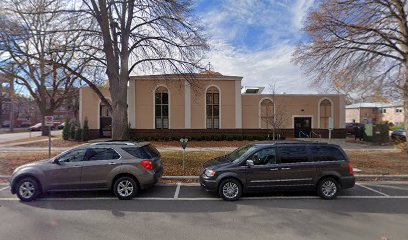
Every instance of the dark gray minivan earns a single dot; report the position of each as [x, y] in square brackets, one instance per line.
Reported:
[282, 164]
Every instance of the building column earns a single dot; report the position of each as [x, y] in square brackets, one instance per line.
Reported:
[131, 97]
[238, 105]
[187, 105]
[342, 111]
[81, 120]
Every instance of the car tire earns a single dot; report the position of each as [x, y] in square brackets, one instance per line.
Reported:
[328, 188]
[125, 188]
[230, 189]
[28, 189]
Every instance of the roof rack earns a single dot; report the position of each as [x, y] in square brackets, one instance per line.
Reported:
[114, 143]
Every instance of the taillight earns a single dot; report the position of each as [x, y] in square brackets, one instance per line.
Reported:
[350, 168]
[147, 164]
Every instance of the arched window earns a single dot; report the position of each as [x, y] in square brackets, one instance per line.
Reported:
[266, 114]
[325, 113]
[213, 107]
[161, 101]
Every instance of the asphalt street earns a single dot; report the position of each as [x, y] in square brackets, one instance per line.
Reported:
[185, 211]
[7, 137]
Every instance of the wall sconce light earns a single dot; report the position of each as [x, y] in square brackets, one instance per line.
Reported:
[302, 110]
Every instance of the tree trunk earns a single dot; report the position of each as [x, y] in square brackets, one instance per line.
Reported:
[119, 111]
[44, 129]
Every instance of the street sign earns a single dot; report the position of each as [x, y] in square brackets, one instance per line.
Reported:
[331, 123]
[49, 121]
[183, 142]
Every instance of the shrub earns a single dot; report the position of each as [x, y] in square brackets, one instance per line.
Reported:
[223, 137]
[250, 138]
[72, 131]
[85, 131]
[240, 138]
[396, 127]
[66, 130]
[207, 138]
[230, 138]
[78, 134]
[128, 131]
[217, 138]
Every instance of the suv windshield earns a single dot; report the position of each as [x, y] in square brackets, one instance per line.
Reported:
[243, 151]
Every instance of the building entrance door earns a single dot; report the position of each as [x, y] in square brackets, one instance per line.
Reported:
[302, 126]
[105, 121]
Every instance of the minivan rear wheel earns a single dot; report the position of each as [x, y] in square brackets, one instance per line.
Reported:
[28, 189]
[230, 189]
[125, 188]
[328, 188]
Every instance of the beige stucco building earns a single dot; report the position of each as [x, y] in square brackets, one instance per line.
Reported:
[215, 104]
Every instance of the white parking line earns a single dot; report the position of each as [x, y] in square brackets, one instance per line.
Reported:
[209, 199]
[176, 193]
[1, 189]
[373, 190]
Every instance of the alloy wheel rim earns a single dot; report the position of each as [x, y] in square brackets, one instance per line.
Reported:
[230, 190]
[125, 188]
[329, 188]
[27, 190]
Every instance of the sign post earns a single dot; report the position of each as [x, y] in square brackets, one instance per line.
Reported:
[49, 122]
[183, 142]
[330, 127]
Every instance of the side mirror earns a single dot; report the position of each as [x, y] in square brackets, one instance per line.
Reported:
[55, 161]
[250, 163]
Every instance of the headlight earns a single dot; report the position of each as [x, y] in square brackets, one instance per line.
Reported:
[209, 173]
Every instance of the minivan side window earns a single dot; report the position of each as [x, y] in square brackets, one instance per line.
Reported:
[293, 154]
[326, 153]
[101, 154]
[264, 156]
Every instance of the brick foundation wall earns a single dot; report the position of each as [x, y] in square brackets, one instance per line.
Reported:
[157, 133]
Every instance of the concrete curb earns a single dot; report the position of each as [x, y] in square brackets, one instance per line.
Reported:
[359, 177]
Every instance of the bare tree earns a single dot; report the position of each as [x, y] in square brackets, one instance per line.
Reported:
[367, 40]
[32, 41]
[139, 36]
[273, 113]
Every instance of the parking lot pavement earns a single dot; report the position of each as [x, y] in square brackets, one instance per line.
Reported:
[192, 192]
[185, 211]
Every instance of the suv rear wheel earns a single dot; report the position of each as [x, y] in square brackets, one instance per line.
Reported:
[230, 189]
[328, 188]
[125, 188]
[28, 189]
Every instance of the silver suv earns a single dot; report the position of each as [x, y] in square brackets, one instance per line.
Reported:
[124, 167]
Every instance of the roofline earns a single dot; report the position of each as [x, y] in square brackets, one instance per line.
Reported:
[181, 77]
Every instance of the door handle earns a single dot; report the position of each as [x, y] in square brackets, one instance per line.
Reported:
[112, 163]
[273, 169]
[285, 168]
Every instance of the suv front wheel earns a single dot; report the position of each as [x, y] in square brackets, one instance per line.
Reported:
[125, 188]
[328, 188]
[27, 189]
[230, 190]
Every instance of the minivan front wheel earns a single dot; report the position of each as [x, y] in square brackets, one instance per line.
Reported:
[28, 189]
[230, 190]
[125, 188]
[328, 188]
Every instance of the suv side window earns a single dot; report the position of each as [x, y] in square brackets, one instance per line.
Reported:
[264, 157]
[75, 155]
[144, 152]
[101, 154]
[326, 153]
[293, 154]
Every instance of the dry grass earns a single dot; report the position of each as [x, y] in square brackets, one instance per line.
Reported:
[201, 143]
[391, 163]
[368, 162]
[22, 140]
[57, 142]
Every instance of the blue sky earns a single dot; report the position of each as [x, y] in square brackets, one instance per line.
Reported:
[255, 39]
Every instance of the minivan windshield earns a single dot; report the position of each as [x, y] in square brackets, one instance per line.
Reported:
[239, 153]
